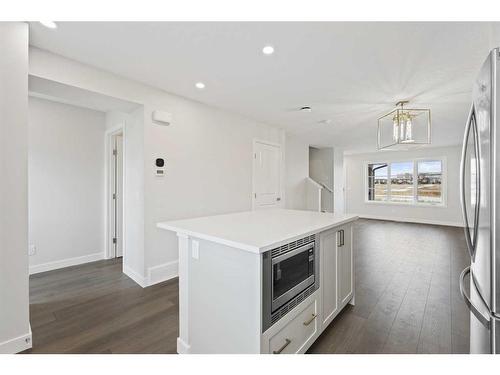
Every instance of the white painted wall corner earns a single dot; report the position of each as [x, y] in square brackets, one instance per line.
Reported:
[154, 275]
[139, 279]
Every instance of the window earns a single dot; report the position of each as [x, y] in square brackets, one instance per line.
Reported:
[417, 182]
[402, 182]
[377, 182]
[430, 174]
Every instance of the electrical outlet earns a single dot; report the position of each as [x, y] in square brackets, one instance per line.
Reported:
[32, 250]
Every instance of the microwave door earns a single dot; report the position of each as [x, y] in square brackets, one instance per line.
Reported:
[291, 274]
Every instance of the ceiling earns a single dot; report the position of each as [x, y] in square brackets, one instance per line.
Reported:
[349, 73]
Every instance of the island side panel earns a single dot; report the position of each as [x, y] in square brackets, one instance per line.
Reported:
[224, 299]
[183, 346]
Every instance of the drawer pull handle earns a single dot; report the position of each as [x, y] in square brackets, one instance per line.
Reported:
[310, 320]
[287, 342]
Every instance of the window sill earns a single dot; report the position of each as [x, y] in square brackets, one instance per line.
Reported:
[388, 203]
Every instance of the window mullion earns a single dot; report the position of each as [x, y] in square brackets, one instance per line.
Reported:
[389, 183]
[415, 181]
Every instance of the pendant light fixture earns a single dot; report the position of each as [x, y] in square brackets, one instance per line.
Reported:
[404, 126]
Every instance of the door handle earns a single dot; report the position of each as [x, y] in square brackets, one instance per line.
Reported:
[287, 342]
[485, 320]
[340, 238]
[471, 243]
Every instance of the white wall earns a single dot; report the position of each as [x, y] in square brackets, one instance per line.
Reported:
[15, 332]
[208, 155]
[297, 169]
[338, 181]
[355, 188]
[66, 184]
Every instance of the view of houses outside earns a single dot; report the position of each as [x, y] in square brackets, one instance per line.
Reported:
[402, 190]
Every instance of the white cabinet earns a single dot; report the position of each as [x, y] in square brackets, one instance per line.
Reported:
[336, 273]
[328, 275]
[296, 334]
[345, 262]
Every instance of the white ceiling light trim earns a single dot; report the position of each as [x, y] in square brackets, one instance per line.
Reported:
[49, 24]
[268, 50]
[200, 85]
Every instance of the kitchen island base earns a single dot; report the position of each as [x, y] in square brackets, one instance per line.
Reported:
[221, 292]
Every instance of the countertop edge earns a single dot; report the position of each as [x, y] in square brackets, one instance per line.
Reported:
[251, 248]
[223, 241]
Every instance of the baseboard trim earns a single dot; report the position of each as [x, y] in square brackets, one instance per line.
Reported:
[411, 220]
[139, 279]
[49, 266]
[163, 272]
[182, 347]
[17, 344]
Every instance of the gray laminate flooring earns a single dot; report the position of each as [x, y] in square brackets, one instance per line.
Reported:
[407, 301]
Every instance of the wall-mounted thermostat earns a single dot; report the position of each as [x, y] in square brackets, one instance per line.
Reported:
[162, 117]
[160, 167]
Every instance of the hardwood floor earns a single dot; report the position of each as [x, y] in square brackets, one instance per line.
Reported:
[95, 308]
[407, 301]
[407, 295]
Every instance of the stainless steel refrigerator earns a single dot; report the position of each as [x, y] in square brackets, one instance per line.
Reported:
[480, 196]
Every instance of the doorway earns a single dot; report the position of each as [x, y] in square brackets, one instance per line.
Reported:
[114, 194]
[267, 164]
[321, 170]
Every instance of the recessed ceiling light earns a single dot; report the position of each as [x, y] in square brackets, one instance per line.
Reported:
[200, 85]
[268, 50]
[49, 24]
[306, 109]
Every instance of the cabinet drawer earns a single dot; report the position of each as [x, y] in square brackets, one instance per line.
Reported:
[297, 333]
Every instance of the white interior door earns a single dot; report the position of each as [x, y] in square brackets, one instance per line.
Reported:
[266, 175]
[119, 196]
[116, 196]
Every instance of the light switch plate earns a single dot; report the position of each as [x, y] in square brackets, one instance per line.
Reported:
[195, 249]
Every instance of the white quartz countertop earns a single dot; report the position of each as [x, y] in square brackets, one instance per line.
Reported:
[257, 231]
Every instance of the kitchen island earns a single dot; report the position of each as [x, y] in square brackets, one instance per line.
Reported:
[266, 281]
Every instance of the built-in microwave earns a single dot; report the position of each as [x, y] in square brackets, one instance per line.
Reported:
[290, 274]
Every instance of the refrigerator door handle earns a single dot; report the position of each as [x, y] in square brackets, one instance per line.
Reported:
[478, 183]
[485, 320]
[471, 243]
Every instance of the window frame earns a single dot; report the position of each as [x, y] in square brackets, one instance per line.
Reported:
[415, 202]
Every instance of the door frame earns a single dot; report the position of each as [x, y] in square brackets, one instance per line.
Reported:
[282, 166]
[109, 252]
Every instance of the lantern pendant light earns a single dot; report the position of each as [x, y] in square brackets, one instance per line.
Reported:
[407, 126]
